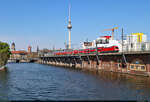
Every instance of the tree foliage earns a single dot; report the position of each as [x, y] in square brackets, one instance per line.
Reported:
[4, 53]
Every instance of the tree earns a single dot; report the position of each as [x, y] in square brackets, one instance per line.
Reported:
[4, 53]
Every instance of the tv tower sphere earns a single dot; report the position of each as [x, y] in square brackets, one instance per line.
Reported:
[69, 25]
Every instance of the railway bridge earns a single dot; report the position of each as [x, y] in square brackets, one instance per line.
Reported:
[137, 63]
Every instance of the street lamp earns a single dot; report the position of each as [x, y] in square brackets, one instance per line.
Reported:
[96, 42]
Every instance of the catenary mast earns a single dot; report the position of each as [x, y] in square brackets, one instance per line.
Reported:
[69, 29]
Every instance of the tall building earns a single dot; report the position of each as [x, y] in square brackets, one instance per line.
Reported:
[13, 47]
[29, 49]
[69, 29]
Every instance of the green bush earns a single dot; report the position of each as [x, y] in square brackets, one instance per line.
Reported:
[4, 53]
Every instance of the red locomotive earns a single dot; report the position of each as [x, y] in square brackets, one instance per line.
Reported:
[89, 51]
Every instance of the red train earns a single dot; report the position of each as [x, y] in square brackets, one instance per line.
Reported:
[89, 51]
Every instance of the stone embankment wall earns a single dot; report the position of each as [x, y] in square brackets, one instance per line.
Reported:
[137, 64]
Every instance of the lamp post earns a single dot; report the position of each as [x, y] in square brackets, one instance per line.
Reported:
[123, 56]
[122, 41]
[96, 47]
[97, 52]
[122, 49]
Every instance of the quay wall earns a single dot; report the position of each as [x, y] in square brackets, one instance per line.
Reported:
[136, 64]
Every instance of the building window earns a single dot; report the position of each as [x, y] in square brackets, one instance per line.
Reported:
[143, 68]
[132, 66]
[103, 41]
[143, 46]
[131, 45]
[107, 41]
[136, 67]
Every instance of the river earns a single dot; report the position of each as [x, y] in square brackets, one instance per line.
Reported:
[30, 81]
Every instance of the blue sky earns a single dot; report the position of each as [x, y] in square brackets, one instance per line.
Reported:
[44, 22]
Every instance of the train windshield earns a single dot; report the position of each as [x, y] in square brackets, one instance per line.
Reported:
[116, 47]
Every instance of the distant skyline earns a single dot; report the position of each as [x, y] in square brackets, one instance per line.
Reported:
[44, 22]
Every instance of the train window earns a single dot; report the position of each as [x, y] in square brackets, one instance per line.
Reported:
[116, 47]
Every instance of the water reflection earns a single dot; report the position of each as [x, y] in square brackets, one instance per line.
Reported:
[3, 77]
[139, 85]
[4, 83]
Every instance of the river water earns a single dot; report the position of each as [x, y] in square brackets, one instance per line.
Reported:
[30, 81]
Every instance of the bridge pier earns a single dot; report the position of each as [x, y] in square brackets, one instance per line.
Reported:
[78, 65]
[93, 64]
[85, 65]
[148, 69]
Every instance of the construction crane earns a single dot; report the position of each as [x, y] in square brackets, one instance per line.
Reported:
[112, 31]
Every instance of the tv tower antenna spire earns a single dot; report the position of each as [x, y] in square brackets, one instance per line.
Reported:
[69, 28]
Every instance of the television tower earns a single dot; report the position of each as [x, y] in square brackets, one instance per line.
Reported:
[69, 29]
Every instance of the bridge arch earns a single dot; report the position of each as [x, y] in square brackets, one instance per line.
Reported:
[137, 61]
